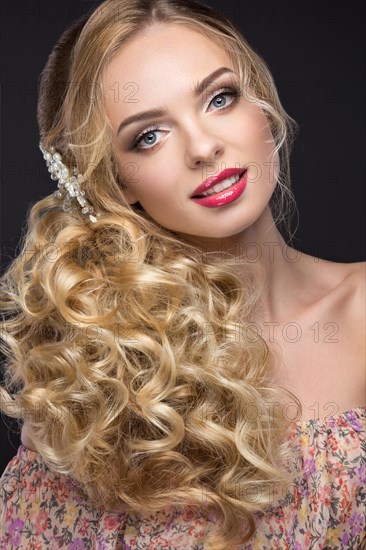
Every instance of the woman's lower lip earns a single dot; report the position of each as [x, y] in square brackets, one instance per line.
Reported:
[226, 196]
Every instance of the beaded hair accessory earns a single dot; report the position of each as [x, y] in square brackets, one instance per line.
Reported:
[68, 186]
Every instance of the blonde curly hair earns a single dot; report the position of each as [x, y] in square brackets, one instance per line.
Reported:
[130, 352]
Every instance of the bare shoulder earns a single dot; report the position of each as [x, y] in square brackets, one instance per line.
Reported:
[358, 271]
[354, 276]
[357, 281]
[337, 277]
[341, 287]
[351, 295]
[353, 281]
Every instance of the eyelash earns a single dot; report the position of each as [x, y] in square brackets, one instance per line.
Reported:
[233, 92]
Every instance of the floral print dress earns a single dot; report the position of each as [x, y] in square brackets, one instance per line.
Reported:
[324, 509]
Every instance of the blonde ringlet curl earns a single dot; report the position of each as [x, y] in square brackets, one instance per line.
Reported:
[122, 342]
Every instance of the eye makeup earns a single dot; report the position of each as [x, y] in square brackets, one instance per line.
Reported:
[232, 91]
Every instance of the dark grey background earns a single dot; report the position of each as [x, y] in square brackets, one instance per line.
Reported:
[316, 53]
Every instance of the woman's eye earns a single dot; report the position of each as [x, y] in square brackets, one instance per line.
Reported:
[220, 100]
[147, 139]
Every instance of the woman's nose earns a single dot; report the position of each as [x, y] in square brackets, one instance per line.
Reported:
[202, 146]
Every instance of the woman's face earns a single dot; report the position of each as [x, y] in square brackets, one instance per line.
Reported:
[163, 159]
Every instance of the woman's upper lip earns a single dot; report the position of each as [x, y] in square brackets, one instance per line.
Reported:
[214, 180]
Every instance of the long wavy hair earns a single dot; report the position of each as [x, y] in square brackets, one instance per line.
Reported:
[129, 352]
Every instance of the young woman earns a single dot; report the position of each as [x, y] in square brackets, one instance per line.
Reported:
[161, 340]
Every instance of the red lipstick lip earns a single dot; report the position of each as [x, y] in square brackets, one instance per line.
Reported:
[225, 197]
[214, 180]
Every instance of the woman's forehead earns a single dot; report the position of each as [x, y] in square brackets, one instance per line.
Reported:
[164, 58]
[165, 46]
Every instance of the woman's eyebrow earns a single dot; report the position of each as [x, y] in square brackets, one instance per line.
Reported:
[158, 113]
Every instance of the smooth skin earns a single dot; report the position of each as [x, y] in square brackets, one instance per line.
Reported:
[312, 310]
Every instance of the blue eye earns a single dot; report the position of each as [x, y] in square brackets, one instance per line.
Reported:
[150, 135]
[147, 139]
[218, 97]
[234, 93]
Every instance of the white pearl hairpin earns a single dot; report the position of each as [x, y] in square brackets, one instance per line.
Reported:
[68, 186]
